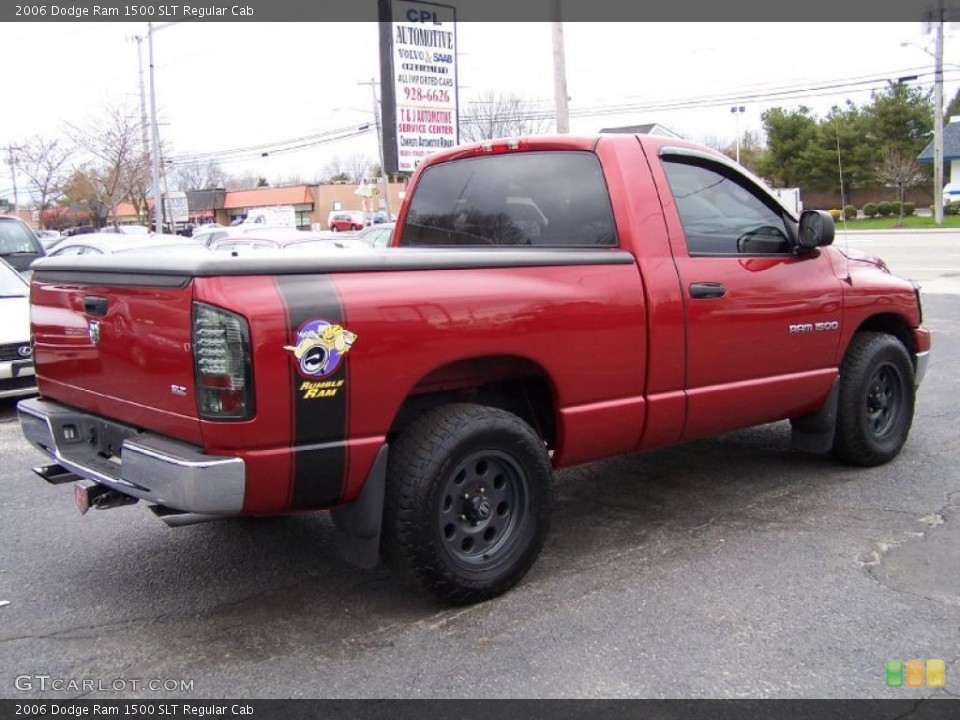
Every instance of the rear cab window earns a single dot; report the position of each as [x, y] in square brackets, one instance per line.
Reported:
[539, 199]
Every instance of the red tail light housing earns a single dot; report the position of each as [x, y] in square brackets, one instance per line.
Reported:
[222, 366]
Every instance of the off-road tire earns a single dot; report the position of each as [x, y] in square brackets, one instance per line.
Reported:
[437, 531]
[875, 408]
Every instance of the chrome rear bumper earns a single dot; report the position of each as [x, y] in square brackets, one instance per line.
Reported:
[151, 467]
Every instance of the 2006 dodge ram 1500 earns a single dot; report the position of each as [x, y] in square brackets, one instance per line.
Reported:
[552, 301]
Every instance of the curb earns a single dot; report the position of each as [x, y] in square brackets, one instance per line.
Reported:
[897, 231]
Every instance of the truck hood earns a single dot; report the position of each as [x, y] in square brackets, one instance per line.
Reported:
[858, 256]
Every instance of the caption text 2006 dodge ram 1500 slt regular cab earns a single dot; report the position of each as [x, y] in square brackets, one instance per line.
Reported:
[550, 301]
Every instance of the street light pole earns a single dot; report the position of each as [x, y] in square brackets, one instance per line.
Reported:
[143, 97]
[13, 176]
[559, 70]
[155, 140]
[383, 170]
[938, 126]
[737, 110]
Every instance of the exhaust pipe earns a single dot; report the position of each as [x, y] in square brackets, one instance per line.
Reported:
[178, 518]
[56, 474]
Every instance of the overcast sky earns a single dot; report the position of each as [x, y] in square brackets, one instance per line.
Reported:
[222, 86]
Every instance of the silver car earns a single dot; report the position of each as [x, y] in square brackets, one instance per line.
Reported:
[16, 356]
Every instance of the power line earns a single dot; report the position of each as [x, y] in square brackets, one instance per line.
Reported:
[277, 147]
[258, 152]
[864, 83]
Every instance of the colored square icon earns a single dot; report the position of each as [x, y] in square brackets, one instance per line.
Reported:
[915, 673]
[936, 673]
[894, 673]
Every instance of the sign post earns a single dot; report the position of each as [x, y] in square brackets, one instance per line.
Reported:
[176, 210]
[418, 80]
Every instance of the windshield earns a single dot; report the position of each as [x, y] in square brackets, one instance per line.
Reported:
[11, 284]
[16, 237]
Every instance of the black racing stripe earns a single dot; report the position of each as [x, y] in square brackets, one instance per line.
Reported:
[320, 423]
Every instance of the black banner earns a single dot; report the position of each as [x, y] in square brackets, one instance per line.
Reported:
[918, 709]
[862, 12]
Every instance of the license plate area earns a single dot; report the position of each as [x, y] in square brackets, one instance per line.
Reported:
[93, 443]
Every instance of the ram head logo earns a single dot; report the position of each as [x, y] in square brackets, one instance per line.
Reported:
[320, 348]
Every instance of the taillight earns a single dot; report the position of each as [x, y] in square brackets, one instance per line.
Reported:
[221, 364]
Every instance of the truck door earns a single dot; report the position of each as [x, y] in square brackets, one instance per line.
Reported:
[762, 323]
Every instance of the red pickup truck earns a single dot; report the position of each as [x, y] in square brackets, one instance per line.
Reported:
[551, 301]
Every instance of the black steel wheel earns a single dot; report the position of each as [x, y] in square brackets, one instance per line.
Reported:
[875, 409]
[482, 508]
[467, 506]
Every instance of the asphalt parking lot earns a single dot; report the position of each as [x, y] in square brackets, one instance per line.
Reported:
[732, 567]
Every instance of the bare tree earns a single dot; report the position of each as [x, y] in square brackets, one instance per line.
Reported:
[242, 181]
[199, 175]
[44, 164]
[293, 179]
[358, 167]
[335, 171]
[900, 170]
[494, 115]
[120, 164]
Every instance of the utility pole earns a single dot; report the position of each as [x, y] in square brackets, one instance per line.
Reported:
[143, 100]
[155, 140]
[12, 160]
[559, 70]
[938, 124]
[383, 171]
[154, 132]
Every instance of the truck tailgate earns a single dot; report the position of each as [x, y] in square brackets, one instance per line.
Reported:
[118, 347]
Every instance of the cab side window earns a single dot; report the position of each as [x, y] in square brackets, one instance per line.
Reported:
[721, 213]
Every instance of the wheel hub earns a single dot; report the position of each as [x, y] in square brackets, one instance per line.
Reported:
[882, 400]
[482, 508]
[477, 508]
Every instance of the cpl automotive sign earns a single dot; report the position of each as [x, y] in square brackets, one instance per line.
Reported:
[418, 47]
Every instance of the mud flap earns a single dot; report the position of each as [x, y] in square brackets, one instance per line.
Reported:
[358, 524]
[814, 433]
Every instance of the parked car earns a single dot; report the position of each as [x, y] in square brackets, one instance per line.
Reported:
[16, 355]
[377, 236]
[197, 229]
[208, 237]
[104, 243]
[79, 230]
[289, 240]
[48, 238]
[18, 245]
[126, 229]
[341, 220]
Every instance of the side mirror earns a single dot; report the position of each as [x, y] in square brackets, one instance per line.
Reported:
[816, 230]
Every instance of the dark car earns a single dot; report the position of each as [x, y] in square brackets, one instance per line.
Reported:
[79, 230]
[18, 244]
